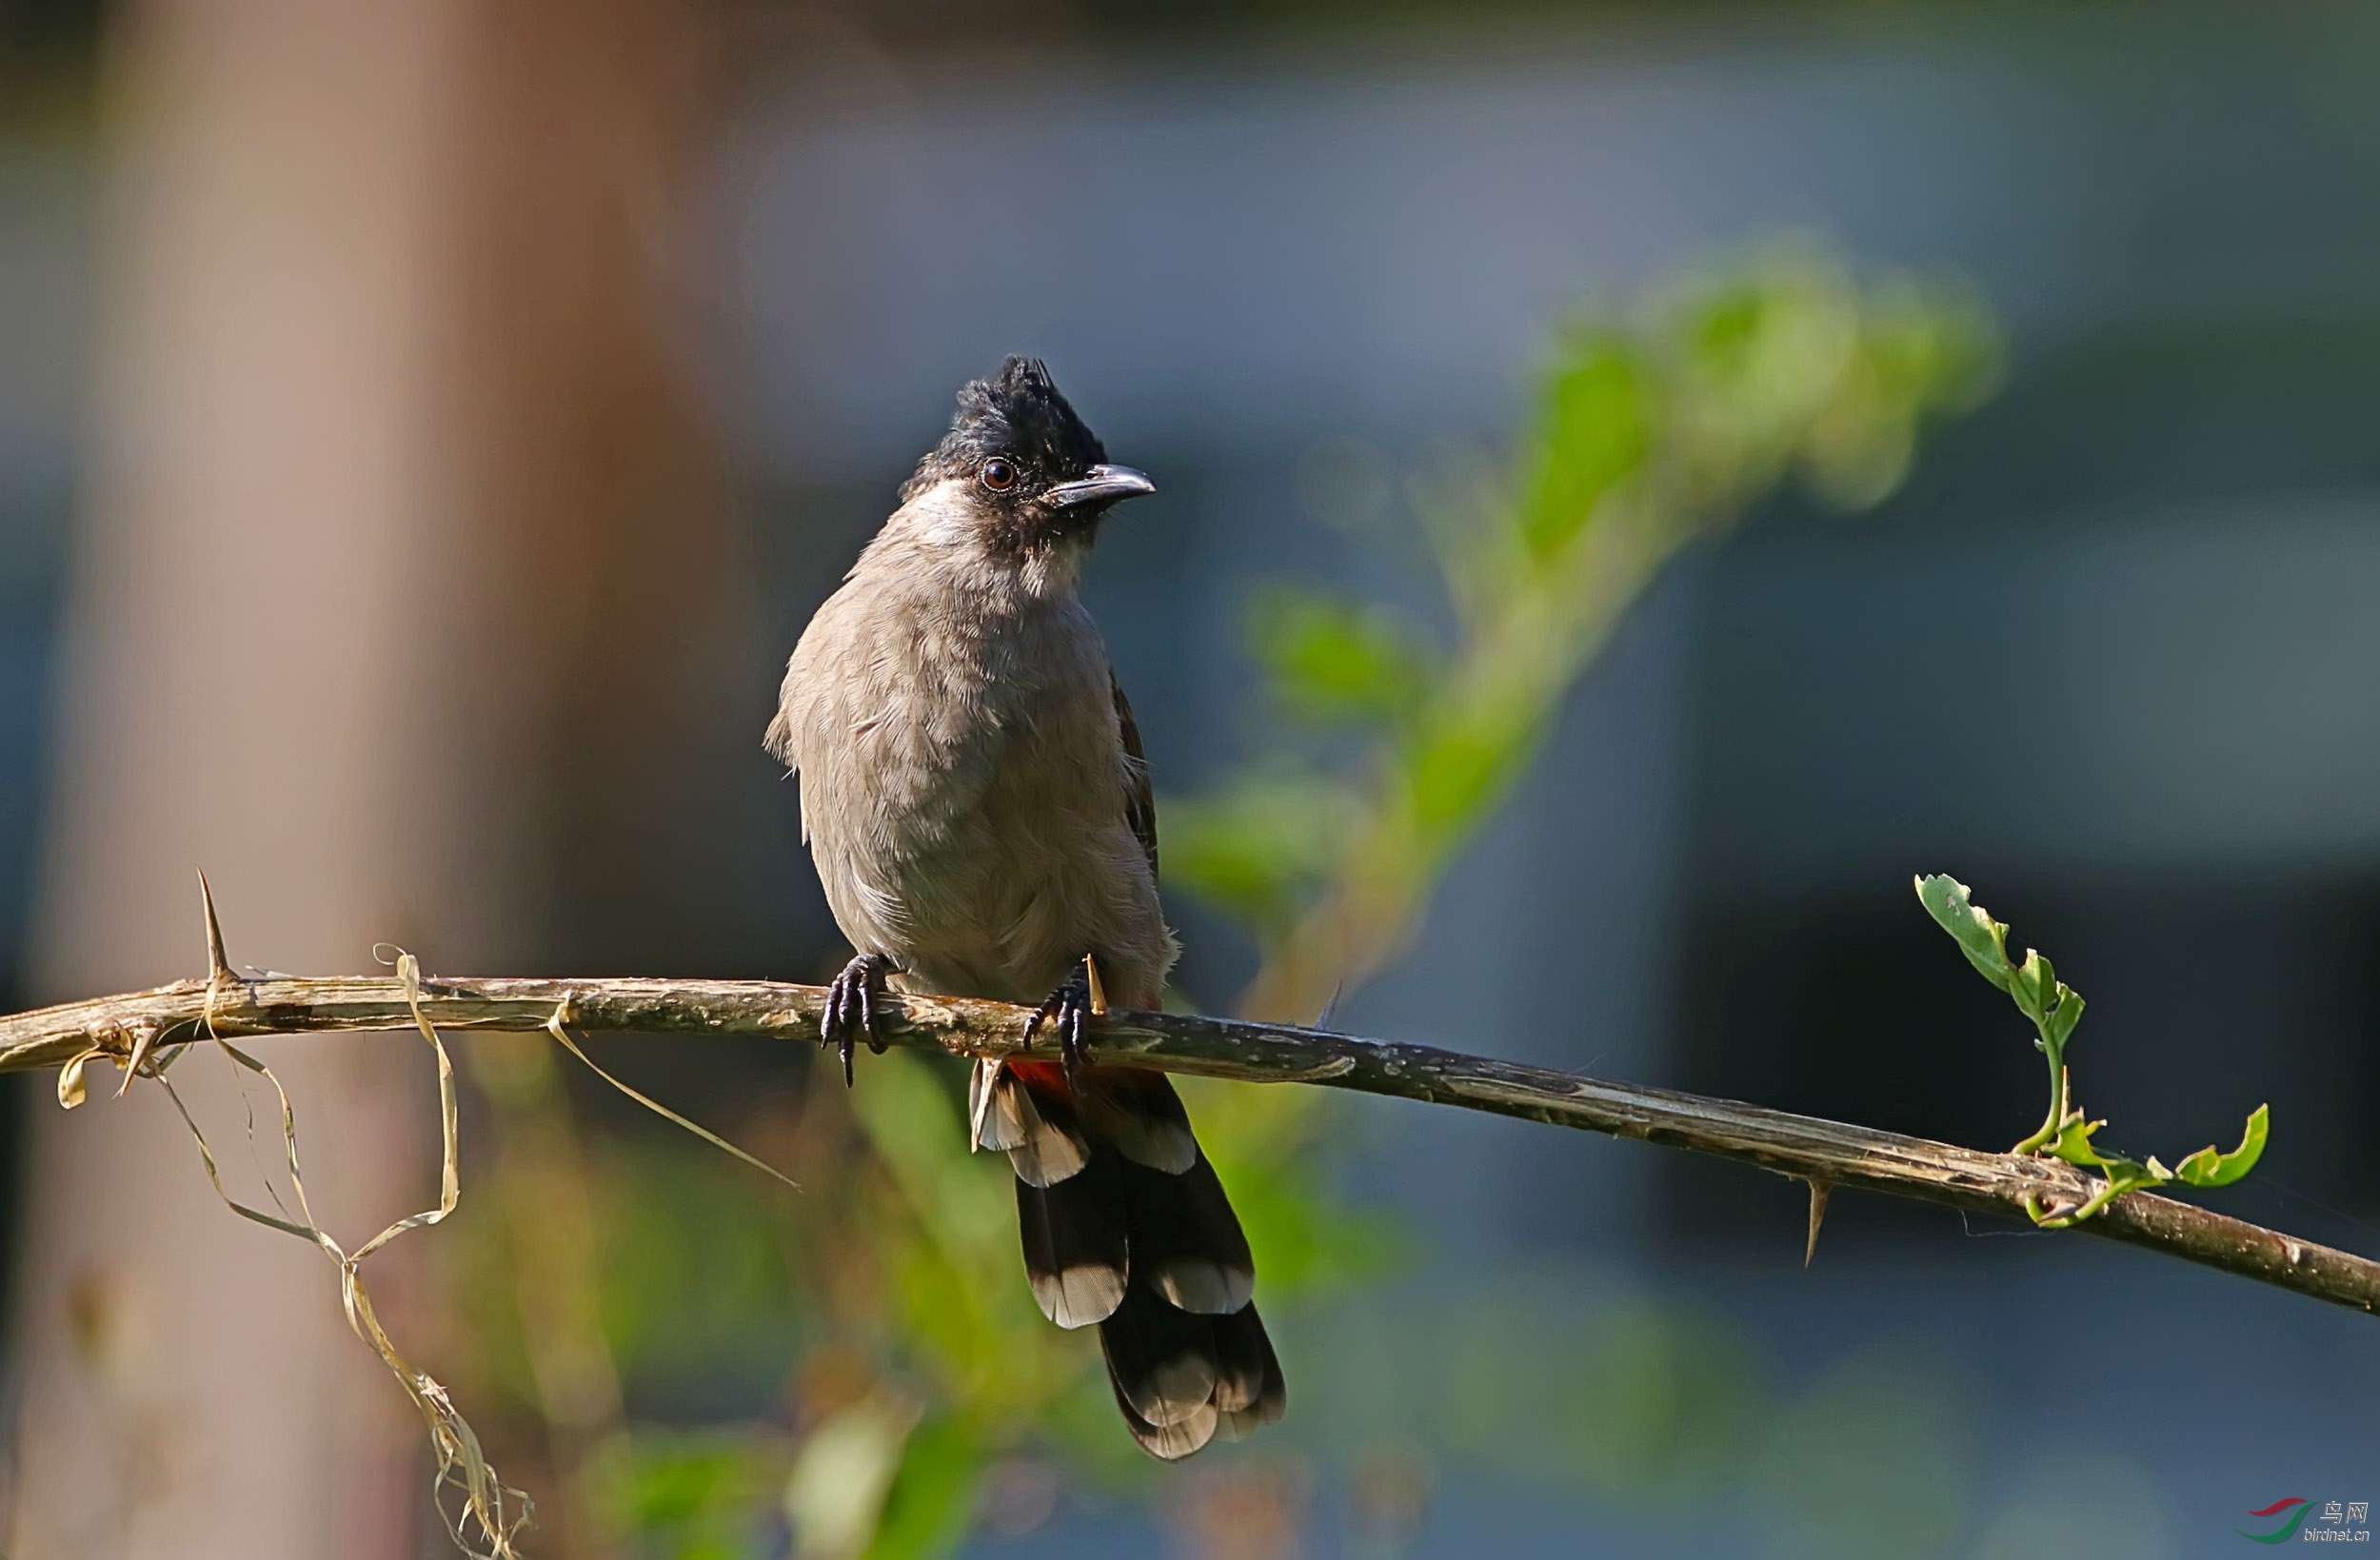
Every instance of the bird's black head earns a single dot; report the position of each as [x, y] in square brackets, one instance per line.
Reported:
[1032, 469]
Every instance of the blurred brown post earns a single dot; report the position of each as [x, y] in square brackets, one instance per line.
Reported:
[394, 425]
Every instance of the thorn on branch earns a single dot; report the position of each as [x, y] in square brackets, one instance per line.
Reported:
[144, 1041]
[1323, 1019]
[218, 966]
[1819, 1191]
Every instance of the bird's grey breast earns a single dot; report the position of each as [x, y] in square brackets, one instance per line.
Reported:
[956, 749]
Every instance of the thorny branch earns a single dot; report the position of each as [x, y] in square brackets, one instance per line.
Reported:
[151, 1026]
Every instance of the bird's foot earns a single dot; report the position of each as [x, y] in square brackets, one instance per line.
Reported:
[851, 1008]
[1064, 1010]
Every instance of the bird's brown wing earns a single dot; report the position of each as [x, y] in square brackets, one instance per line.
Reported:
[1139, 801]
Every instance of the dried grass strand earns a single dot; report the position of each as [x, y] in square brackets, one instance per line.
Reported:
[492, 1515]
[554, 1027]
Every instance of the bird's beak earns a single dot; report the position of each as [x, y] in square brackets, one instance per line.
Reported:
[1104, 485]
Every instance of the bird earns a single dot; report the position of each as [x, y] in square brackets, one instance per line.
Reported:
[978, 806]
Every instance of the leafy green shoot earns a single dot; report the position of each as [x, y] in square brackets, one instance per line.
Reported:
[2056, 1009]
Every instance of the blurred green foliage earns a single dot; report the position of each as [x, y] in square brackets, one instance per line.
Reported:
[688, 1495]
[1653, 427]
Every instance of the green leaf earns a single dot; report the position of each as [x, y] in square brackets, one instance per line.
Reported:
[692, 1497]
[2034, 987]
[1461, 767]
[1596, 430]
[836, 1495]
[1727, 333]
[1980, 937]
[1332, 659]
[2064, 1017]
[1256, 848]
[1932, 345]
[2208, 1168]
[2072, 1143]
[926, 1509]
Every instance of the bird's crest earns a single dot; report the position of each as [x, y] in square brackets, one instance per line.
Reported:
[1019, 413]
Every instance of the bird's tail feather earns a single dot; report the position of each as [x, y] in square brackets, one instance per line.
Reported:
[1125, 1226]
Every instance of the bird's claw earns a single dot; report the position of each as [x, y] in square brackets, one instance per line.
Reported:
[851, 1008]
[1064, 1010]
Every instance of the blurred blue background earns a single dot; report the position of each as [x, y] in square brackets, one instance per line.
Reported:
[2109, 655]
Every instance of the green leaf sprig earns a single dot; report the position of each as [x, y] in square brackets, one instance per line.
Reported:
[2056, 1009]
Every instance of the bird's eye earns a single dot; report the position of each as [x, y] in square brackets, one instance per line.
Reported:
[999, 475]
